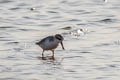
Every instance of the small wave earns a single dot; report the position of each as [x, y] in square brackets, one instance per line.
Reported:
[107, 20]
[117, 42]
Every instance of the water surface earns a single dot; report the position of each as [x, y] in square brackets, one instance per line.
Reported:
[94, 55]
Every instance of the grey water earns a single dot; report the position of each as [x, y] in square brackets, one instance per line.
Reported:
[94, 55]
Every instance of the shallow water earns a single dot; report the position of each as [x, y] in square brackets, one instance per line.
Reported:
[94, 55]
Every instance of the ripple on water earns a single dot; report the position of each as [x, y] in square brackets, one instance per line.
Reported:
[93, 56]
[73, 20]
[103, 44]
[6, 39]
[53, 12]
[108, 20]
[67, 28]
[46, 25]
[117, 42]
[6, 27]
[13, 42]
[85, 52]
[28, 30]
[5, 1]
[14, 8]
[73, 32]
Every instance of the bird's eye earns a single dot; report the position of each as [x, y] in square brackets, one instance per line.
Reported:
[59, 38]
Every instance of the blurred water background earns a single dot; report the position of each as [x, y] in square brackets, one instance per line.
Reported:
[91, 29]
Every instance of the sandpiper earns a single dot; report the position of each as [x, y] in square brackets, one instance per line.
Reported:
[51, 43]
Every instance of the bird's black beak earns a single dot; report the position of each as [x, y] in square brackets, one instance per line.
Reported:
[62, 46]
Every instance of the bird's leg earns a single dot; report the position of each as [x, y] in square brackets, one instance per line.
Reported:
[52, 53]
[43, 53]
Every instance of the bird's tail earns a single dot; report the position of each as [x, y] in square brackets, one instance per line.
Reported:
[37, 43]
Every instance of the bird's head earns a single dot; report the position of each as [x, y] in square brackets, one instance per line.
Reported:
[60, 38]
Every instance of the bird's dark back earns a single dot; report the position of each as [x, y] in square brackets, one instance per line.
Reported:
[50, 38]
